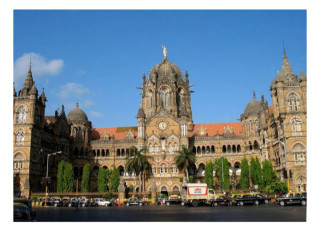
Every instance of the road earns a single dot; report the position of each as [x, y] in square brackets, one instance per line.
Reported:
[261, 213]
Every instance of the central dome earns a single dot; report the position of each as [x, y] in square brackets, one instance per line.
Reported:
[252, 108]
[165, 68]
[77, 114]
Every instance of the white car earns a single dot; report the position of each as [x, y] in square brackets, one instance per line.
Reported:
[102, 202]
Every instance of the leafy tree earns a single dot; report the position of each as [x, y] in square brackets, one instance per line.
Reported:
[115, 180]
[185, 159]
[208, 174]
[60, 177]
[68, 178]
[138, 163]
[102, 180]
[225, 180]
[277, 187]
[268, 174]
[85, 178]
[255, 171]
[244, 177]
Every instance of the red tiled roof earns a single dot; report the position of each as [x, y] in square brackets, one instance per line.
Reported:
[213, 128]
[119, 133]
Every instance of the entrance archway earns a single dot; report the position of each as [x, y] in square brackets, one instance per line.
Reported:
[164, 190]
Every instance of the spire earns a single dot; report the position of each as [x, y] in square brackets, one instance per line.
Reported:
[28, 83]
[286, 68]
[43, 97]
[303, 76]
[14, 91]
[34, 90]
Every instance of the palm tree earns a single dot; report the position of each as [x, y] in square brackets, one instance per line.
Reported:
[185, 159]
[137, 162]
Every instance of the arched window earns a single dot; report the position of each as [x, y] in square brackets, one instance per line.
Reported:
[224, 149]
[237, 168]
[198, 150]
[201, 169]
[238, 148]
[212, 149]
[107, 153]
[18, 162]
[102, 153]
[256, 145]
[299, 152]
[164, 97]
[118, 152]
[21, 114]
[95, 172]
[208, 150]
[203, 149]
[229, 149]
[296, 123]
[154, 169]
[98, 153]
[20, 136]
[175, 189]
[293, 100]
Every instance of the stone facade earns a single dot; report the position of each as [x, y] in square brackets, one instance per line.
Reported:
[164, 124]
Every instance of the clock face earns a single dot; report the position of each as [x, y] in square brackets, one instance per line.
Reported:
[162, 125]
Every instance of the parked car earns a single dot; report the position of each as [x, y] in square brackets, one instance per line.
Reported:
[135, 202]
[174, 200]
[221, 200]
[19, 211]
[263, 198]
[102, 202]
[247, 199]
[292, 198]
[55, 201]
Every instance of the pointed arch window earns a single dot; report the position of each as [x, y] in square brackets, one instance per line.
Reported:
[165, 97]
[21, 114]
[296, 123]
[299, 153]
[149, 99]
[20, 137]
[293, 101]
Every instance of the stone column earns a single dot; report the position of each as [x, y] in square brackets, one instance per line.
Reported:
[121, 190]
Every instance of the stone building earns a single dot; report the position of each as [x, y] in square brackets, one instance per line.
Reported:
[164, 124]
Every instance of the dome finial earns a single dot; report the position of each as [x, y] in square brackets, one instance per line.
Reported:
[254, 95]
[164, 49]
[284, 49]
[77, 104]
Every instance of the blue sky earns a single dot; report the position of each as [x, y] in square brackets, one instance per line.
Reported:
[98, 57]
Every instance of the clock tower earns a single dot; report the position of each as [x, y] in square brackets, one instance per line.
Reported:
[164, 116]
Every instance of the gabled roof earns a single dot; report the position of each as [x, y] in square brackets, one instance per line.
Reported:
[213, 128]
[119, 133]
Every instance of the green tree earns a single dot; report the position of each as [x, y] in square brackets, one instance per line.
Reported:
[244, 177]
[208, 174]
[277, 187]
[85, 178]
[68, 178]
[223, 176]
[60, 177]
[268, 174]
[103, 180]
[185, 159]
[138, 163]
[255, 171]
[115, 180]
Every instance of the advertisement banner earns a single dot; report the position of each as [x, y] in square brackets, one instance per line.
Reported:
[197, 190]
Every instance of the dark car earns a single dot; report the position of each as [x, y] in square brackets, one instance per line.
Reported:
[263, 198]
[21, 213]
[135, 202]
[174, 200]
[221, 201]
[247, 199]
[18, 208]
[292, 199]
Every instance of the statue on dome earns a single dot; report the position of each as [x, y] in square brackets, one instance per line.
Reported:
[164, 51]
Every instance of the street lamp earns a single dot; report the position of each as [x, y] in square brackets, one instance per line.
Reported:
[46, 181]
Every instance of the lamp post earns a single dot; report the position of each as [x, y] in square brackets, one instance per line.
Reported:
[46, 181]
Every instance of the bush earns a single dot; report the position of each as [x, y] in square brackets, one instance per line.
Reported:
[277, 187]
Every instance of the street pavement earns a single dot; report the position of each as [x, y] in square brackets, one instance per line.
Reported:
[260, 213]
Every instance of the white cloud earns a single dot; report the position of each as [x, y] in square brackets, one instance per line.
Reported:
[72, 90]
[40, 66]
[87, 103]
[95, 114]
